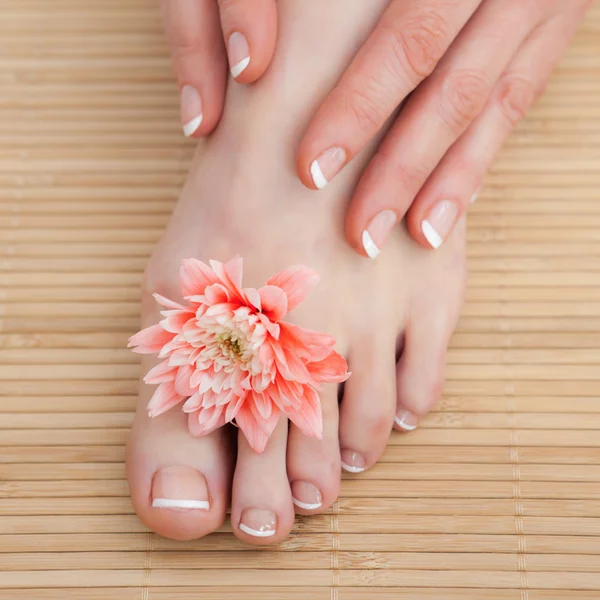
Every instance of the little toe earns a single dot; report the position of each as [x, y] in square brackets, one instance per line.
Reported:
[313, 465]
[420, 371]
[368, 407]
[179, 484]
[262, 511]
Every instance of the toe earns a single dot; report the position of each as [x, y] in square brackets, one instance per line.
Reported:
[368, 406]
[420, 371]
[261, 506]
[314, 465]
[179, 484]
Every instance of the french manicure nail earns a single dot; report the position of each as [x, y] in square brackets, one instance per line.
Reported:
[305, 495]
[191, 109]
[439, 223]
[258, 522]
[406, 420]
[327, 166]
[352, 461]
[180, 488]
[474, 197]
[238, 53]
[377, 232]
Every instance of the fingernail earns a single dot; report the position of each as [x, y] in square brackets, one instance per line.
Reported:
[377, 231]
[238, 53]
[258, 522]
[474, 197]
[305, 495]
[406, 420]
[439, 222]
[352, 461]
[327, 166]
[191, 109]
[180, 488]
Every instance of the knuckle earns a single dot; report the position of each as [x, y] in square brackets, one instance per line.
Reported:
[366, 110]
[464, 95]
[420, 43]
[515, 95]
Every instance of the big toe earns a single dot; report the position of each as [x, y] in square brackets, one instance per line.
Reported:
[179, 484]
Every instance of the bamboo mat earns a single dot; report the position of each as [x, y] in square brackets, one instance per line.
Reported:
[496, 496]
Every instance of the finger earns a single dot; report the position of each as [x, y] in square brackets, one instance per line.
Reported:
[434, 117]
[405, 47]
[250, 29]
[194, 34]
[458, 177]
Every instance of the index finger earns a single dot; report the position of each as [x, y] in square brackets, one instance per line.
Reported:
[408, 42]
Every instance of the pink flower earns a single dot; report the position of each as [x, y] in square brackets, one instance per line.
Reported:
[230, 356]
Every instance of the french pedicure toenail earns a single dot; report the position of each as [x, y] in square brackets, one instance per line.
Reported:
[406, 420]
[180, 488]
[238, 53]
[305, 495]
[439, 223]
[258, 522]
[352, 461]
[377, 232]
[327, 166]
[191, 109]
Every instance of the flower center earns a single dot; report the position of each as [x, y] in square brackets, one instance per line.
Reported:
[231, 346]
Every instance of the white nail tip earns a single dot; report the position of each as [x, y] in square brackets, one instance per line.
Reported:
[474, 198]
[431, 235]
[403, 425]
[239, 67]
[170, 503]
[191, 126]
[255, 532]
[352, 469]
[317, 175]
[369, 245]
[305, 505]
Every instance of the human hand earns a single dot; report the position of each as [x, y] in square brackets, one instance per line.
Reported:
[473, 68]
[203, 35]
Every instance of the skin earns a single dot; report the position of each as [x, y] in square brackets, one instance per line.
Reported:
[392, 318]
[467, 71]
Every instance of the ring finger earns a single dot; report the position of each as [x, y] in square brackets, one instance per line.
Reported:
[433, 118]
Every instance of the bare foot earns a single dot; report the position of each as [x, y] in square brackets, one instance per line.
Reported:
[242, 197]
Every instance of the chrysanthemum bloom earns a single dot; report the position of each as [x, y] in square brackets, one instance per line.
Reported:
[230, 356]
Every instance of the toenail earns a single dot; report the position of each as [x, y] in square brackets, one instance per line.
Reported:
[191, 110]
[440, 222]
[258, 522]
[406, 420]
[180, 488]
[327, 166]
[352, 461]
[305, 495]
[238, 53]
[377, 232]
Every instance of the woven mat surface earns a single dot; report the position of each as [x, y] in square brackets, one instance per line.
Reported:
[496, 496]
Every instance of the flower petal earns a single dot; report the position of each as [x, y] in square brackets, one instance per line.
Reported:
[229, 275]
[175, 320]
[162, 373]
[164, 398]
[166, 303]
[251, 429]
[274, 302]
[194, 276]
[234, 406]
[252, 297]
[206, 420]
[309, 345]
[150, 340]
[263, 404]
[297, 282]
[332, 369]
[308, 415]
[182, 380]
